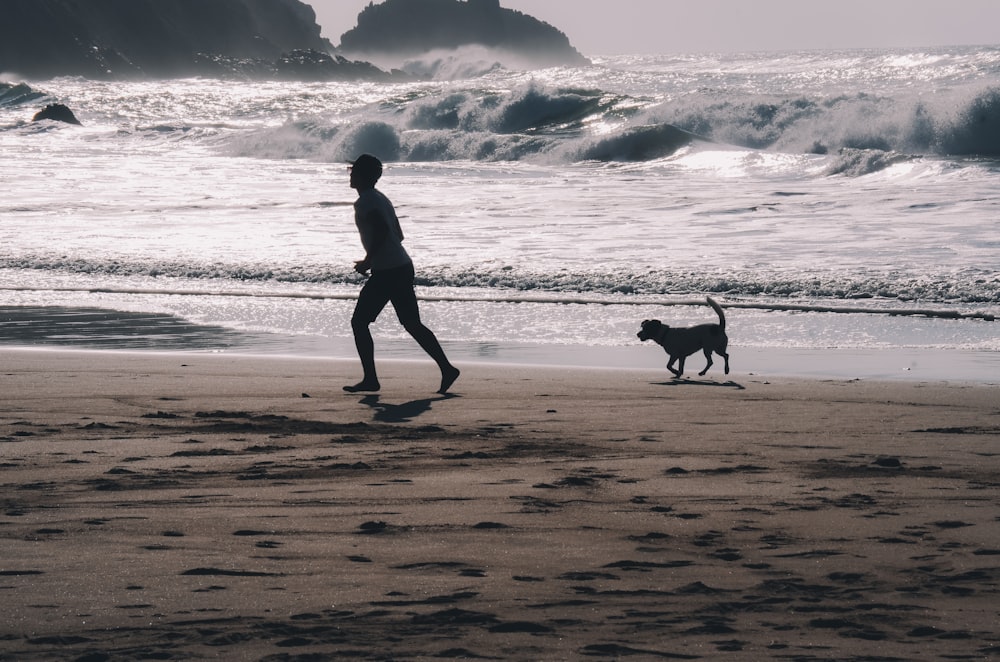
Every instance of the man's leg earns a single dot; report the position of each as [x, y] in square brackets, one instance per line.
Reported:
[429, 342]
[371, 301]
[404, 300]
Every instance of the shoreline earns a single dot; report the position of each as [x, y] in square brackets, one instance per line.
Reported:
[92, 328]
[206, 504]
[901, 364]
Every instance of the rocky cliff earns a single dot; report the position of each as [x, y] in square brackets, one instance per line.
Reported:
[152, 38]
[251, 38]
[411, 27]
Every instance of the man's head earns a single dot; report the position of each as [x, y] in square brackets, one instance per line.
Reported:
[365, 171]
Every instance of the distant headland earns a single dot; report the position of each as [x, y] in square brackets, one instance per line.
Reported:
[253, 39]
[152, 38]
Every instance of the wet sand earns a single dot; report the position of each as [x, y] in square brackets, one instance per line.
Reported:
[170, 506]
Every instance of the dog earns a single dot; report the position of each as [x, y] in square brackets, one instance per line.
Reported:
[680, 343]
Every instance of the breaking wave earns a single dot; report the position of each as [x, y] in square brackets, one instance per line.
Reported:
[475, 109]
[18, 94]
[972, 287]
[976, 130]
[858, 134]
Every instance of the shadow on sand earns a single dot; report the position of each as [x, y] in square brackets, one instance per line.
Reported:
[402, 413]
[696, 382]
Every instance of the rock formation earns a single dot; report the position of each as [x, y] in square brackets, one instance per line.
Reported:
[152, 38]
[411, 27]
[251, 39]
[57, 112]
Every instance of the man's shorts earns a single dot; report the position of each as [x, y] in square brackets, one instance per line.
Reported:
[395, 285]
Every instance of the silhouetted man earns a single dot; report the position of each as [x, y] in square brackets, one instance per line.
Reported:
[391, 277]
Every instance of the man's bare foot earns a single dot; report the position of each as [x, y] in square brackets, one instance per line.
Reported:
[448, 377]
[364, 386]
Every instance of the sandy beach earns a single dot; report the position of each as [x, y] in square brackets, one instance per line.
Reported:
[189, 506]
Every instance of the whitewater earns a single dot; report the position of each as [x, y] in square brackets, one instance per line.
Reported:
[841, 205]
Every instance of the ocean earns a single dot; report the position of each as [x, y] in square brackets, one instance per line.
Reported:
[841, 205]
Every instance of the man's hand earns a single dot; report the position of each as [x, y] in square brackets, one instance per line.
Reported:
[362, 266]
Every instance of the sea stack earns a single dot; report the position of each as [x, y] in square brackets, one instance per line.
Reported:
[407, 28]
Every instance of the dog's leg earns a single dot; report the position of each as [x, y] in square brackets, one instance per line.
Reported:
[670, 366]
[708, 357]
[721, 351]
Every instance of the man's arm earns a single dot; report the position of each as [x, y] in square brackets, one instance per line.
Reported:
[378, 232]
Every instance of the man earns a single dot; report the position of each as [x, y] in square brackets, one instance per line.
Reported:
[391, 277]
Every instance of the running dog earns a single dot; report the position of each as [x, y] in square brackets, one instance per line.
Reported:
[681, 343]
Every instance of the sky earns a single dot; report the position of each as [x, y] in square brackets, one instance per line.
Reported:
[613, 27]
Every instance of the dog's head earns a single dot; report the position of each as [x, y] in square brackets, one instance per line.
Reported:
[650, 329]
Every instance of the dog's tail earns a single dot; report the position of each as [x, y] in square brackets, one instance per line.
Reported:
[718, 311]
